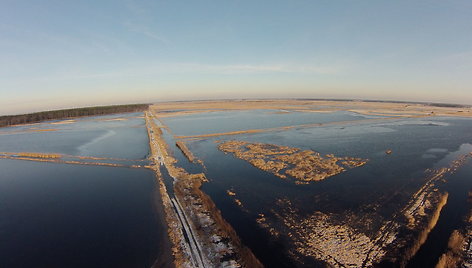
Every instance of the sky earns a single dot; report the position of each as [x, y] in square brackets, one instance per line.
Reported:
[61, 54]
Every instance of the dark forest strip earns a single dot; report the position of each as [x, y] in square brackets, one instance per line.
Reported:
[10, 120]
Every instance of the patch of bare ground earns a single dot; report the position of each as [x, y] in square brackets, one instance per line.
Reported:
[282, 161]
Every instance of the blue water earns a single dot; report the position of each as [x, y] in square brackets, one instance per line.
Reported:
[54, 215]
[89, 136]
[452, 215]
[226, 121]
[380, 187]
[57, 215]
[61, 215]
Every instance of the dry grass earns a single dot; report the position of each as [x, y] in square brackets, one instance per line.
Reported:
[452, 258]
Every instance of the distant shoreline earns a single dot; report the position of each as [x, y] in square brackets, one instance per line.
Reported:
[21, 119]
[436, 109]
[381, 108]
[434, 104]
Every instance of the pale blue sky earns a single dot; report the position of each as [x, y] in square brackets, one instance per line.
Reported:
[57, 54]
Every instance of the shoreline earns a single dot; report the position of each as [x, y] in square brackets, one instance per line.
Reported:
[398, 109]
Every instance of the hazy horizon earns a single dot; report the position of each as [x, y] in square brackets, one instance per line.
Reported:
[56, 55]
[229, 99]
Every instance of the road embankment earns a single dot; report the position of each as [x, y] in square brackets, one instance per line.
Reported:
[199, 234]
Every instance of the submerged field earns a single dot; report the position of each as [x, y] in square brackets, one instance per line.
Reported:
[72, 211]
[256, 183]
[379, 211]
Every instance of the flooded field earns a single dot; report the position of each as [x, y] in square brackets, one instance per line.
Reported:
[54, 214]
[379, 212]
[232, 184]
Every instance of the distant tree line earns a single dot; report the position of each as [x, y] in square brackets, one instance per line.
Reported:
[448, 105]
[10, 120]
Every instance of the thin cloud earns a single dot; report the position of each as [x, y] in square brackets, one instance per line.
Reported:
[461, 59]
[139, 20]
[144, 30]
[251, 68]
[142, 70]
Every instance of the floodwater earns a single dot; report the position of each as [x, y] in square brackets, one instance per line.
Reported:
[61, 215]
[453, 214]
[227, 121]
[117, 136]
[385, 183]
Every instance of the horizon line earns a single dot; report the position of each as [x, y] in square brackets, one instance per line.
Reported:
[439, 104]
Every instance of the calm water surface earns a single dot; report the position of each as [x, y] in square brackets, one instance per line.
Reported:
[59, 215]
[226, 121]
[386, 180]
[89, 136]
